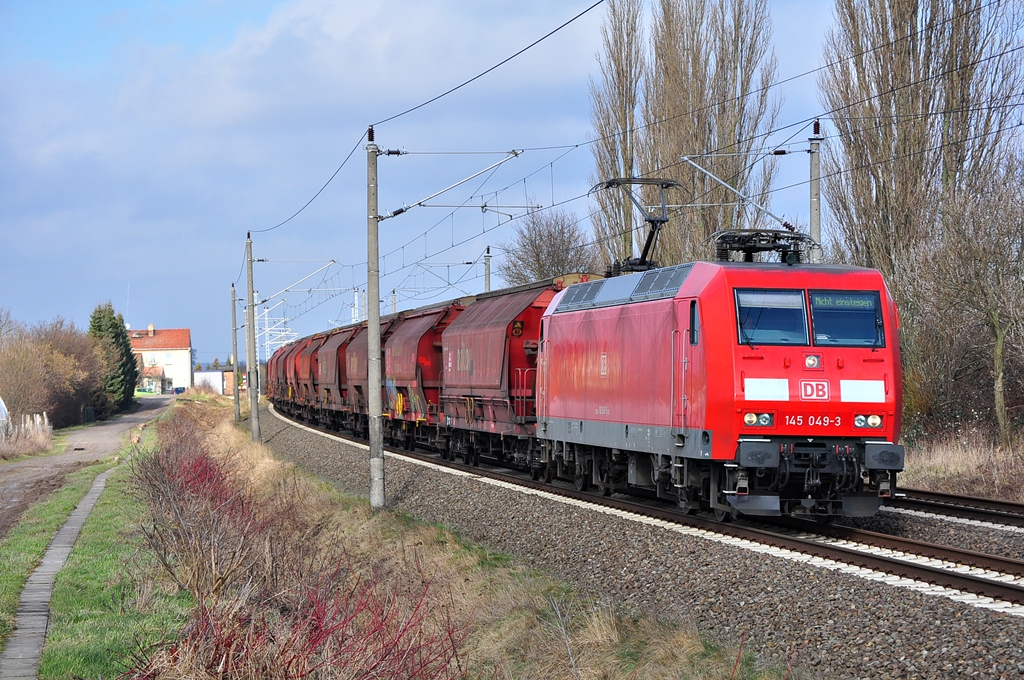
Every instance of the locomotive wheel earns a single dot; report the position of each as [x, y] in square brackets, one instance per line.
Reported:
[604, 487]
[549, 473]
[724, 516]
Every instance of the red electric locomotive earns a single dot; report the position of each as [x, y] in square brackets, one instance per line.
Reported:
[762, 389]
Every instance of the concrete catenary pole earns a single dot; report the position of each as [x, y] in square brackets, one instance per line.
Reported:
[234, 355]
[373, 329]
[487, 271]
[251, 369]
[815, 185]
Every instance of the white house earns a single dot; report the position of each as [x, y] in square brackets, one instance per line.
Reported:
[164, 356]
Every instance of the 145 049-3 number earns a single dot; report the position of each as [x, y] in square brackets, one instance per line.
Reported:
[814, 421]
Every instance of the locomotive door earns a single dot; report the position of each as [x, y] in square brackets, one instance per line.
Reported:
[689, 355]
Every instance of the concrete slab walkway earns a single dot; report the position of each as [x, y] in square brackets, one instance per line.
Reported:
[20, 660]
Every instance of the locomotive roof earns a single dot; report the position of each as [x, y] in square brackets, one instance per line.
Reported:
[658, 284]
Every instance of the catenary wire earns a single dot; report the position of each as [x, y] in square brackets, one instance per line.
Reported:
[483, 73]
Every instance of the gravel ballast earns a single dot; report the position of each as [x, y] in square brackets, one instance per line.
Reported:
[841, 626]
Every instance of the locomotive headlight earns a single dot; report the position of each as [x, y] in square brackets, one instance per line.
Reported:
[812, 361]
[867, 421]
[758, 419]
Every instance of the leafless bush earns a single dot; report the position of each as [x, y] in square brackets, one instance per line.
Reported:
[275, 598]
[339, 627]
[202, 522]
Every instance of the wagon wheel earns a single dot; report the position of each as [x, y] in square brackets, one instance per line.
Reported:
[549, 473]
[724, 516]
[535, 473]
[473, 457]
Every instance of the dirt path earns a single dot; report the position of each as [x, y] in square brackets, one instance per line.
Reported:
[25, 482]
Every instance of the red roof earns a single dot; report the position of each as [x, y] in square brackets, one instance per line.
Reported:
[162, 338]
[153, 372]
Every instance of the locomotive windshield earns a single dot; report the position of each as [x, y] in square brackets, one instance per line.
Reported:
[771, 317]
[847, 318]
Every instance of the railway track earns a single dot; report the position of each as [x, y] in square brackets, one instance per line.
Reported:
[979, 574]
[978, 509]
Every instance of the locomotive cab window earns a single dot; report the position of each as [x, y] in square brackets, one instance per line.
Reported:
[847, 318]
[771, 317]
[694, 321]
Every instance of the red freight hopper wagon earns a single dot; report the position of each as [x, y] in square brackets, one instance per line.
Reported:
[276, 386]
[331, 379]
[412, 372]
[762, 389]
[291, 367]
[490, 373]
[357, 369]
[308, 372]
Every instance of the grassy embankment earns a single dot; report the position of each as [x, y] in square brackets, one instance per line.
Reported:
[321, 583]
[969, 464]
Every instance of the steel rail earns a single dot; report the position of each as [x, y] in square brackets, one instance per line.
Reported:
[965, 582]
[965, 507]
[959, 556]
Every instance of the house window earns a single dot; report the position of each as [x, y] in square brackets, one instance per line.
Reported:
[167, 359]
[151, 360]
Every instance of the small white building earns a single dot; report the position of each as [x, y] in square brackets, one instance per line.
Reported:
[212, 379]
[164, 356]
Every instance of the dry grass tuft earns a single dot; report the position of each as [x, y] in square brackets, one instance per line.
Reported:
[12, 446]
[969, 464]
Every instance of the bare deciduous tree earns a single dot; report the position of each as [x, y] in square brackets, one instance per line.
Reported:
[547, 244]
[22, 375]
[615, 102]
[983, 254]
[51, 368]
[705, 92]
[922, 95]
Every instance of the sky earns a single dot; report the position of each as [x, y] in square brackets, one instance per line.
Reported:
[140, 141]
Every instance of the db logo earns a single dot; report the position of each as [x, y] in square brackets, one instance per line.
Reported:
[814, 390]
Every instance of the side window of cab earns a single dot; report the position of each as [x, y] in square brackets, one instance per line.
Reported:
[694, 323]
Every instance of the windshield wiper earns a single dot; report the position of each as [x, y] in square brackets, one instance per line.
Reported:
[746, 338]
[878, 328]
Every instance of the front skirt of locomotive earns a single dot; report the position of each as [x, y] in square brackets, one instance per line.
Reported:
[801, 476]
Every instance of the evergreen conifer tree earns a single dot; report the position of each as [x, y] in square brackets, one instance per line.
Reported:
[119, 383]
